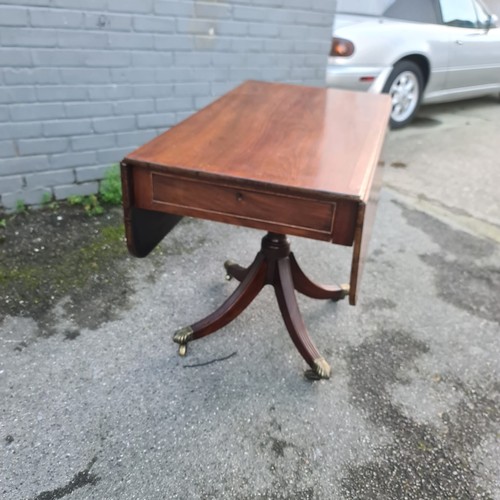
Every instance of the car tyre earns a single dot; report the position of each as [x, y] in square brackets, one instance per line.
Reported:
[405, 86]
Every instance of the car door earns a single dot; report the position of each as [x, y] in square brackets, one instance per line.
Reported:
[474, 55]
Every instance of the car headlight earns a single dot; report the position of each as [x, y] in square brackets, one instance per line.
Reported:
[341, 47]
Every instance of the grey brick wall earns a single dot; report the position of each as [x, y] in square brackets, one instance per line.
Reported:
[84, 82]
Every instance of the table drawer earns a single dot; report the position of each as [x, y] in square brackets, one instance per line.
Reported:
[242, 206]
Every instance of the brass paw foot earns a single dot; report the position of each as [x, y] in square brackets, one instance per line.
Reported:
[320, 370]
[345, 287]
[227, 265]
[182, 337]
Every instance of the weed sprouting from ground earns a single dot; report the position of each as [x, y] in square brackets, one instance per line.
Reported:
[111, 188]
[110, 194]
[21, 207]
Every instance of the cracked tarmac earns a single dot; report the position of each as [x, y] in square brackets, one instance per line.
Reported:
[96, 404]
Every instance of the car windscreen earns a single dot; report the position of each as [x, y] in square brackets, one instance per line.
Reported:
[423, 11]
[364, 7]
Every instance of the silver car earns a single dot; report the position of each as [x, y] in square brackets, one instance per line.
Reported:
[418, 51]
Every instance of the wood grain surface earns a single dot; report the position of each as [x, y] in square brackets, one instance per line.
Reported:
[300, 138]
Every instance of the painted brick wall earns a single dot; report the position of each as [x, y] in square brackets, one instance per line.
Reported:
[84, 82]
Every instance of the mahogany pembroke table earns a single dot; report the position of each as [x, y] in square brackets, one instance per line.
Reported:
[286, 159]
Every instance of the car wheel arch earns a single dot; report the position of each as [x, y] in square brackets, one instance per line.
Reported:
[422, 62]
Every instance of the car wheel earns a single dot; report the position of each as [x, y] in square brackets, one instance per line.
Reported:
[404, 85]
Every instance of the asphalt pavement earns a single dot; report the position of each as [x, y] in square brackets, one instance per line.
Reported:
[411, 410]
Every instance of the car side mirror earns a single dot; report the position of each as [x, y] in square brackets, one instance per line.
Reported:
[492, 21]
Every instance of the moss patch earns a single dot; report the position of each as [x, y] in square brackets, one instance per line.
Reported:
[47, 255]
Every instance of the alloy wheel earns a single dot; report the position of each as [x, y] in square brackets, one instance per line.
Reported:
[404, 92]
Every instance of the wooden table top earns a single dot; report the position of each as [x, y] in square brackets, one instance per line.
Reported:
[296, 138]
